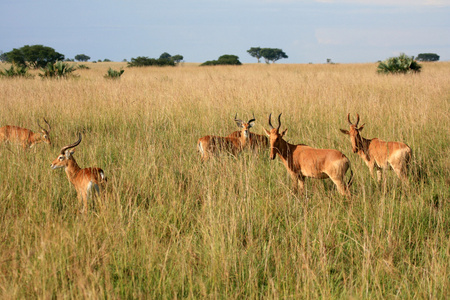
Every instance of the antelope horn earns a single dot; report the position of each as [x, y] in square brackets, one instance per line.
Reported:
[270, 123]
[252, 120]
[279, 122]
[48, 125]
[348, 119]
[236, 119]
[63, 149]
[357, 120]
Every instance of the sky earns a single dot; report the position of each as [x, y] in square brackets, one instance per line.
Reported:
[308, 31]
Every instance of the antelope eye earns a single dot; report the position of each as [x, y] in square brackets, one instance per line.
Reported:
[61, 158]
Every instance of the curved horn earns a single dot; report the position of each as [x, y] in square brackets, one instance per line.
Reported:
[63, 149]
[270, 123]
[236, 119]
[357, 120]
[279, 122]
[348, 119]
[48, 125]
[252, 120]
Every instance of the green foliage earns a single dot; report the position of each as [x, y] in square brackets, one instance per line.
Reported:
[113, 74]
[143, 61]
[36, 56]
[255, 52]
[3, 57]
[83, 67]
[226, 59]
[58, 69]
[16, 71]
[428, 57]
[177, 58]
[82, 57]
[272, 54]
[399, 65]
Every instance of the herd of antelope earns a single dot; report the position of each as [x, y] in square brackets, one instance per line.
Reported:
[300, 160]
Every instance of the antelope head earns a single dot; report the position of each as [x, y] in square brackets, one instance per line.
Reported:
[245, 126]
[66, 154]
[355, 137]
[45, 133]
[275, 137]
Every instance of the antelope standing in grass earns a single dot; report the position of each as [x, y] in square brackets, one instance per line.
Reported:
[86, 181]
[254, 141]
[302, 161]
[378, 154]
[25, 137]
[234, 143]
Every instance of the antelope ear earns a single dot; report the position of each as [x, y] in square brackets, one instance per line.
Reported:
[251, 124]
[239, 123]
[361, 127]
[284, 132]
[344, 131]
[69, 153]
[267, 132]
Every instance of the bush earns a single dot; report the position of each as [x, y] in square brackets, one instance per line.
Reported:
[57, 70]
[16, 71]
[143, 61]
[399, 65]
[113, 74]
[223, 60]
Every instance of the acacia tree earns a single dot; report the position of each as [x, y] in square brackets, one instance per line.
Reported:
[255, 52]
[427, 57]
[82, 57]
[36, 56]
[272, 54]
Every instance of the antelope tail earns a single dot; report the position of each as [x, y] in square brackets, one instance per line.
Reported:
[350, 181]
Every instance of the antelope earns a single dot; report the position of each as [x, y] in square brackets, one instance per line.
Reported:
[234, 143]
[86, 181]
[25, 137]
[303, 161]
[255, 141]
[378, 154]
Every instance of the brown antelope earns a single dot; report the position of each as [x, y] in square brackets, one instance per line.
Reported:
[25, 137]
[234, 143]
[303, 161]
[86, 181]
[254, 141]
[379, 154]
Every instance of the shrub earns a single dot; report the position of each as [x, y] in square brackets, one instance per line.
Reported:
[223, 60]
[143, 61]
[113, 74]
[399, 65]
[16, 71]
[58, 69]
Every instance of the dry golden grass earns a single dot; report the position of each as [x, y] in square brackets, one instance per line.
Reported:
[169, 226]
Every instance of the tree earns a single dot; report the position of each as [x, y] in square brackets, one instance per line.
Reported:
[3, 56]
[82, 57]
[226, 59]
[177, 58]
[399, 65]
[165, 55]
[427, 57]
[36, 56]
[255, 52]
[272, 54]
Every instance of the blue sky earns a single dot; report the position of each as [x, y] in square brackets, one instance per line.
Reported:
[308, 31]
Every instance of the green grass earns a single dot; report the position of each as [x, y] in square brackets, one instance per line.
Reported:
[170, 226]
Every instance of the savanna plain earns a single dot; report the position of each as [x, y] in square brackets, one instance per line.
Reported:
[171, 226]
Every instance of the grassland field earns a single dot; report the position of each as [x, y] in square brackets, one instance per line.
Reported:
[169, 226]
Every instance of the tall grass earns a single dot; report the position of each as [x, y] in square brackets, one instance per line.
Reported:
[170, 226]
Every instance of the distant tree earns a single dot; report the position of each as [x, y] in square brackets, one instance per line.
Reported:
[272, 54]
[106, 60]
[177, 58]
[3, 56]
[36, 56]
[143, 61]
[226, 59]
[255, 52]
[428, 57]
[165, 55]
[82, 57]
[399, 65]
